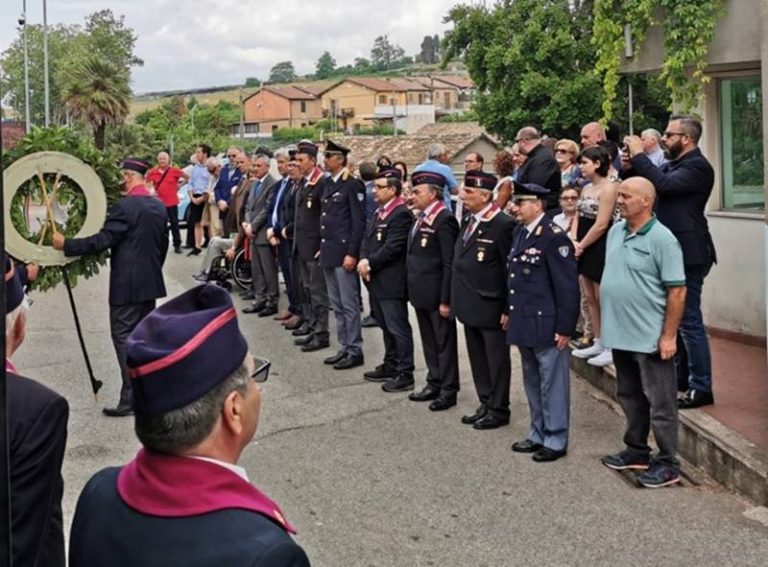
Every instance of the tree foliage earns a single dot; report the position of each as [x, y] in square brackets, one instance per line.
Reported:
[104, 36]
[97, 91]
[252, 82]
[430, 50]
[325, 66]
[282, 72]
[386, 55]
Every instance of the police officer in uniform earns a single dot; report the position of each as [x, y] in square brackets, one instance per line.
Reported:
[306, 234]
[383, 270]
[478, 291]
[543, 310]
[430, 258]
[342, 223]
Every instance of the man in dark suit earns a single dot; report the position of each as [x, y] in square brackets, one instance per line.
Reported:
[37, 435]
[183, 500]
[382, 268]
[275, 223]
[298, 322]
[683, 186]
[135, 233]
[430, 258]
[306, 235]
[540, 165]
[266, 289]
[543, 310]
[478, 292]
[342, 225]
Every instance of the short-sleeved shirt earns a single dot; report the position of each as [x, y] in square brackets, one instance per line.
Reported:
[168, 190]
[640, 268]
[198, 180]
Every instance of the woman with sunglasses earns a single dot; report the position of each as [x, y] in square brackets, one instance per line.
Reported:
[597, 212]
[566, 152]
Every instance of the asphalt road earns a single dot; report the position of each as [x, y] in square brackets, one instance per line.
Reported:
[373, 479]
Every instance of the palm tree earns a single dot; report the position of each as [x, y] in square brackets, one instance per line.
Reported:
[98, 92]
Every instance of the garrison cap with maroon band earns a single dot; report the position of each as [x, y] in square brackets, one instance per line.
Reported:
[306, 148]
[183, 349]
[480, 180]
[389, 173]
[134, 164]
[427, 178]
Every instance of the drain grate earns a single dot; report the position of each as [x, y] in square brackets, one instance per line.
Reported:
[630, 477]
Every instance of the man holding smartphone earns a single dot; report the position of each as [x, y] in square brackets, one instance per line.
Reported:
[642, 295]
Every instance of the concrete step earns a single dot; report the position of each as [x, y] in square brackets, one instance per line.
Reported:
[723, 454]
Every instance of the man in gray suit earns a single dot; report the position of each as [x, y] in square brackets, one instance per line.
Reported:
[263, 262]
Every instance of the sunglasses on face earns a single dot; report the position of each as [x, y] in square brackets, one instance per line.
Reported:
[561, 151]
[262, 369]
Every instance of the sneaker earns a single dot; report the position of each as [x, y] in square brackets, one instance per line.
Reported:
[589, 352]
[603, 359]
[201, 277]
[625, 460]
[694, 398]
[659, 475]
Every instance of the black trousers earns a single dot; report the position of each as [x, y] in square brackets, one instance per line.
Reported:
[316, 293]
[438, 341]
[284, 259]
[302, 305]
[392, 316]
[122, 320]
[491, 368]
[173, 220]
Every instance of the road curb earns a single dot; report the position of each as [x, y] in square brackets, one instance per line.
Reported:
[723, 454]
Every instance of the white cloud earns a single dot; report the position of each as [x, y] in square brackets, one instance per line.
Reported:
[196, 43]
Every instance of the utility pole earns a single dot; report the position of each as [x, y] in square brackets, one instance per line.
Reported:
[45, 65]
[23, 24]
[394, 111]
[242, 116]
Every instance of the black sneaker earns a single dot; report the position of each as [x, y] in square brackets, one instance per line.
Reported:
[626, 460]
[381, 373]
[402, 383]
[659, 475]
[694, 398]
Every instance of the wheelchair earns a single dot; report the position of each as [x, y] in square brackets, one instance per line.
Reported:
[239, 270]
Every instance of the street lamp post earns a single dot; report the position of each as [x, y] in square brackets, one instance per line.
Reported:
[23, 24]
[45, 65]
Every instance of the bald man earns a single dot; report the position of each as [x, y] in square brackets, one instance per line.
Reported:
[165, 180]
[642, 296]
[540, 165]
[591, 135]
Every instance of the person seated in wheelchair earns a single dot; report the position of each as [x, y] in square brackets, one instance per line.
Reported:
[222, 269]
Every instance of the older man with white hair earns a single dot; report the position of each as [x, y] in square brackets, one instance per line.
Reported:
[651, 139]
[437, 162]
[135, 233]
[165, 179]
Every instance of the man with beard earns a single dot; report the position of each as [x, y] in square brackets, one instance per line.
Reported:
[683, 186]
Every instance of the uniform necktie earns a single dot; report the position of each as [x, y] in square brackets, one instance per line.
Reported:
[417, 224]
[470, 228]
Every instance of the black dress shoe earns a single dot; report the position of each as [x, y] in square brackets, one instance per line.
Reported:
[255, 308]
[315, 344]
[368, 321]
[442, 403]
[248, 295]
[546, 455]
[526, 446]
[335, 358]
[303, 340]
[381, 373]
[268, 311]
[479, 414]
[194, 252]
[695, 399]
[401, 383]
[426, 394]
[349, 361]
[490, 422]
[119, 411]
[177, 249]
[301, 331]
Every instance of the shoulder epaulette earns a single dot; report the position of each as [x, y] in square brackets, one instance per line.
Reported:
[556, 229]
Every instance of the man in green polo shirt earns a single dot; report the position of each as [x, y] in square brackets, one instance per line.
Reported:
[642, 295]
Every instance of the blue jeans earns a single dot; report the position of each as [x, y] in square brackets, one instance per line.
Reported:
[693, 332]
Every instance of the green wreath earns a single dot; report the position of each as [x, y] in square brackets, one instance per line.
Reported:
[57, 193]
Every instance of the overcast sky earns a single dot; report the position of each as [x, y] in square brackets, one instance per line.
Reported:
[221, 42]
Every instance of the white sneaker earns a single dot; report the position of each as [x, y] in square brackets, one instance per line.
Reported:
[603, 359]
[589, 352]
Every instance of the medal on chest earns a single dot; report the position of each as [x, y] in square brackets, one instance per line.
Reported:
[481, 255]
[379, 236]
[309, 203]
[423, 241]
